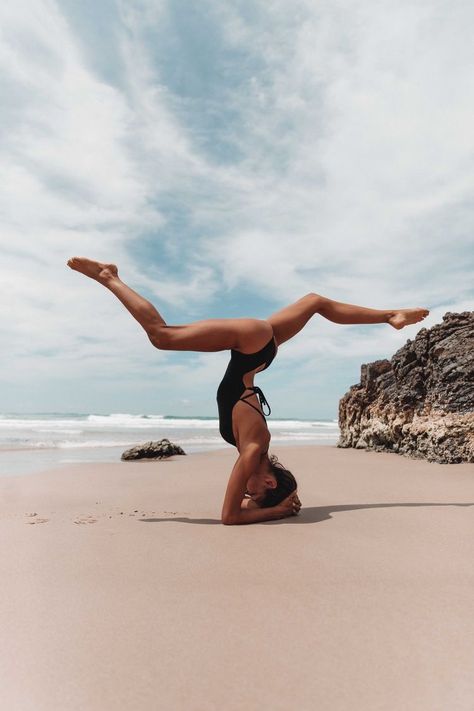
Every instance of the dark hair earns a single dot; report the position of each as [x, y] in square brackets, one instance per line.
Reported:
[286, 484]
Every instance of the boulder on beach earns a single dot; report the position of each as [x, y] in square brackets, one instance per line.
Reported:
[152, 450]
[420, 403]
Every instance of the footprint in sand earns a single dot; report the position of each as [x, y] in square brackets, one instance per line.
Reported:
[36, 520]
[85, 519]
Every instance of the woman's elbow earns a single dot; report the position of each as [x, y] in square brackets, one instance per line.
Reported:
[229, 519]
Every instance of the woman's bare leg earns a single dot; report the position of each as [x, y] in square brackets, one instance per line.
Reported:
[290, 320]
[245, 334]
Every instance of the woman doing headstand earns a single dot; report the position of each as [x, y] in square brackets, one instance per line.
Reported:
[259, 487]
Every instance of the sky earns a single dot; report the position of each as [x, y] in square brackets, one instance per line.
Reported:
[230, 157]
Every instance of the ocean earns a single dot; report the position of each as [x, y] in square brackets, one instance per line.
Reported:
[39, 441]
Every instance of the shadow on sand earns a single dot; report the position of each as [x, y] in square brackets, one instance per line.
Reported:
[311, 514]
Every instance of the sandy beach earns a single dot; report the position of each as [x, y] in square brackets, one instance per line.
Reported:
[121, 589]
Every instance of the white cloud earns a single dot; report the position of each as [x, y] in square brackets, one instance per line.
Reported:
[352, 174]
[74, 181]
[357, 143]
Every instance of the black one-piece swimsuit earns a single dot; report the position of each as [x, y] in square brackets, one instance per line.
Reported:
[232, 386]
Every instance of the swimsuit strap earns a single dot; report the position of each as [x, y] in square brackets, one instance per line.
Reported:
[261, 398]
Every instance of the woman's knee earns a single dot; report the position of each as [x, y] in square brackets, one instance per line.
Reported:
[317, 301]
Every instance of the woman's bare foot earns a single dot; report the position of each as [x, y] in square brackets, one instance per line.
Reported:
[94, 270]
[405, 317]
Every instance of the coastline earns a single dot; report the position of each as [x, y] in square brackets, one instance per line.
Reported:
[37, 442]
[125, 591]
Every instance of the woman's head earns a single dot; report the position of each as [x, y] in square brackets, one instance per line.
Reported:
[271, 484]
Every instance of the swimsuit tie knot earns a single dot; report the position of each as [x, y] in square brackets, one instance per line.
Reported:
[262, 399]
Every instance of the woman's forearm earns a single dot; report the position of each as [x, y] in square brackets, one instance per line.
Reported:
[254, 516]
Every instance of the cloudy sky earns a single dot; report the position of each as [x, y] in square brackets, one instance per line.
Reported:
[230, 156]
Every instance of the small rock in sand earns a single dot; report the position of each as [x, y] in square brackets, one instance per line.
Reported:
[152, 450]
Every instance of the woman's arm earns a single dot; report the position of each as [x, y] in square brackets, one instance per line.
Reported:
[288, 507]
[245, 465]
[256, 515]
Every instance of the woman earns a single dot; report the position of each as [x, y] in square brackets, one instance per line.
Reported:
[259, 487]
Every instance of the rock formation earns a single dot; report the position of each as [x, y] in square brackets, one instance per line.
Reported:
[153, 450]
[420, 403]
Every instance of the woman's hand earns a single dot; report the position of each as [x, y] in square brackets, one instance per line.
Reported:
[289, 506]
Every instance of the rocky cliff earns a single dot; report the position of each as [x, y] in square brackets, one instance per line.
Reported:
[420, 403]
